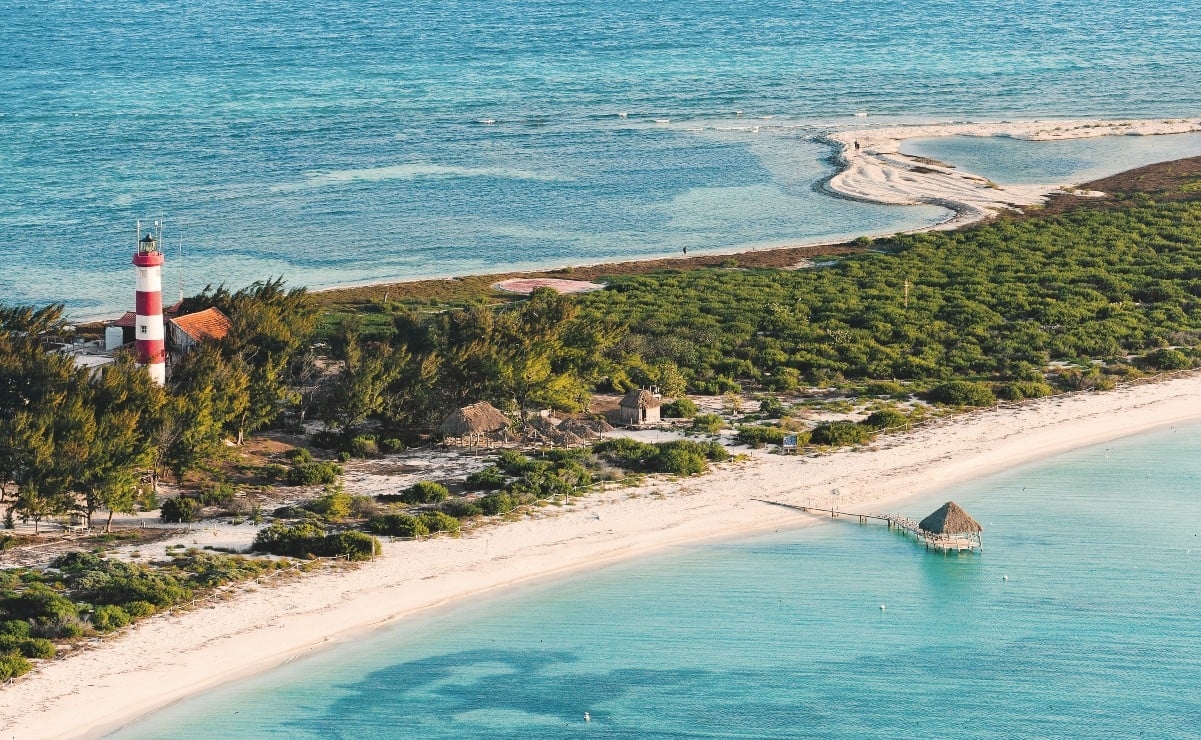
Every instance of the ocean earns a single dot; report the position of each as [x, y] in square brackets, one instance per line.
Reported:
[1081, 618]
[346, 142]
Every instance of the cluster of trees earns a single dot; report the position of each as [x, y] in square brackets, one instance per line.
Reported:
[76, 440]
[536, 353]
[997, 301]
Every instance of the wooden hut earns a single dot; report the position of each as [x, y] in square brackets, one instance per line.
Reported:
[951, 528]
[478, 424]
[639, 407]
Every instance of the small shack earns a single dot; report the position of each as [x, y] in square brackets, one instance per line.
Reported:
[638, 408]
[951, 528]
[478, 424]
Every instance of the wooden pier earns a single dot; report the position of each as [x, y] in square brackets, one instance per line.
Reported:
[940, 542]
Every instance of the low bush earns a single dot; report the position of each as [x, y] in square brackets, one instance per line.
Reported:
[217, 494]
[460, 508]
[1018, 390]
[424, 492]
[1166, 359]
[488, 479]
[771, 407]
[398, 525]
[13, 665]
[314, 473]
[363, 446]
[29, 647]
[350, 545]
[681, 408]
[180, 510]
[707, 423]
[886, 419]
[758, 436]
[839, 433]
[293, 540]
[299, 455]
[498, 503]
[109, 617]
[15, 628]
[437, 521]
[333, 506]
[962, 393]
[391, 446]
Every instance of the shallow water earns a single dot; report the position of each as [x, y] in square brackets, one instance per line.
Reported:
[1095, 633]
[334, 142]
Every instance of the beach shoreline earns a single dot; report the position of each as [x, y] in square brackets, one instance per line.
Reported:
[172, 656]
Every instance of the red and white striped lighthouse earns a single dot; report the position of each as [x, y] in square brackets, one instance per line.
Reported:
[149, 331]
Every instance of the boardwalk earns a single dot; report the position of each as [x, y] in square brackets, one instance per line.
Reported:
[942, 543]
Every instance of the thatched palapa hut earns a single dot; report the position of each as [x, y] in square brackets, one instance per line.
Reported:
[951, 528]
[639, 407]
[478, 424]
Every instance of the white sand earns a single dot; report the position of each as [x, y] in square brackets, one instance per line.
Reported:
[170, 656]
[877, 172]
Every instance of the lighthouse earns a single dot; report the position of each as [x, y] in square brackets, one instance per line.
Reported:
[148, 334]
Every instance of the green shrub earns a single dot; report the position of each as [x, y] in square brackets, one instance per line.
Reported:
[333, 506]
[294, 540]
[38, 602]
[771, 407]
[13, 665]
[488, 479]
[15, 628]
[1166, 359]
[886, 419]
[1017, 390]
[299, 455]
[274, 472]
[515, 463]
[398, 525]
[708, 424]
[460, 508]
[363, 446]
[839, 433]
[109, 617]
[217, 494]
[436, 521]
[139, 609]
[883, 388]
[962, 393]
[351, 545]
[424, 492]
[758, 436]
[180, 510]
[498, 503]
[392, 446]
[314, 474]
[29, 647]
[293, 512]
[681, 408]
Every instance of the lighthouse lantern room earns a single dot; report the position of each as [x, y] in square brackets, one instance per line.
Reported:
[149, 331]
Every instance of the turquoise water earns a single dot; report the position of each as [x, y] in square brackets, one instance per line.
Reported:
[1011, 161]
[333, 142]
[1096, 632]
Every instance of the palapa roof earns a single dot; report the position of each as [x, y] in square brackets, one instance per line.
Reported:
[586, 428]
[640, 399]
[478, 418]
[950, 519]
[204, 325]
[552, 432]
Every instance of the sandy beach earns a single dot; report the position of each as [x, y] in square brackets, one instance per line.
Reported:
[171, 656]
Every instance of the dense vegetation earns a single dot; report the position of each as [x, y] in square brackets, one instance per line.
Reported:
[1000, 301]
[84, 594]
